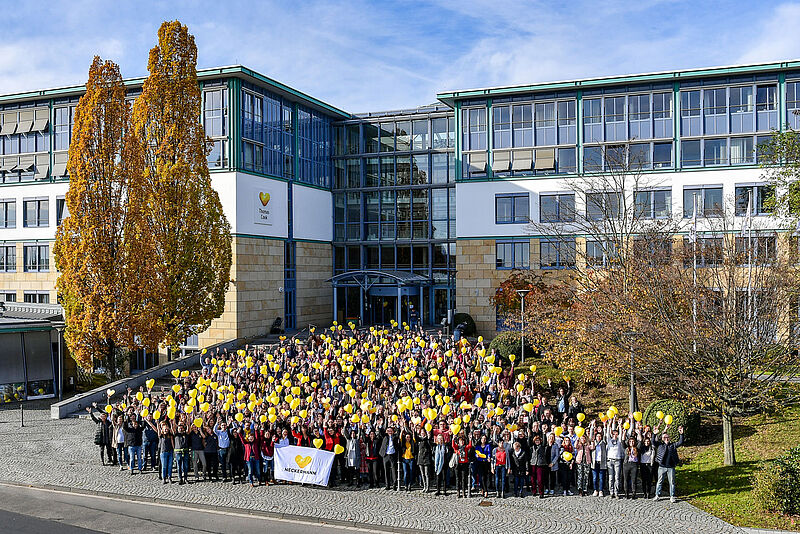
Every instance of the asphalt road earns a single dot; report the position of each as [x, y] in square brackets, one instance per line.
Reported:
[41, 511]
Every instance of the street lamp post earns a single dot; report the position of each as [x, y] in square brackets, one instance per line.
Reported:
[522, 293]
[633, 401]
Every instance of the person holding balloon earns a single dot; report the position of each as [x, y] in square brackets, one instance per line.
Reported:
[566, 463]
[583, 461]
[667, 458]
[103, 435]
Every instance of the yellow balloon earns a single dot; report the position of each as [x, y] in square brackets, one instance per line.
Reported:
[157, 415]
[150, 383]
[146, 403]
[581, 416]
[139, 396]
[660, 414]
[668, 419]
[239, 417]
[567, 456]
[176, 373]
[319, 442]
[338, 449]
[198, 422]
[109, 408]
[637, 416]
[579, 430]
[558, 431]
[145, 412]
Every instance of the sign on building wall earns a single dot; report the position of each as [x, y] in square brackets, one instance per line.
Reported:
[262, 199]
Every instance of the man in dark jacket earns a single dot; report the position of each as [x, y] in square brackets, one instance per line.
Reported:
[133, 440]
[388, 452]
[518, 460]
[667, 459]
[102, 436]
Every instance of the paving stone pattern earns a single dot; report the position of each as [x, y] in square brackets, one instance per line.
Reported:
[62, 453]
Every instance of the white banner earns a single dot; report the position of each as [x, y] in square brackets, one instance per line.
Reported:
[303, 464]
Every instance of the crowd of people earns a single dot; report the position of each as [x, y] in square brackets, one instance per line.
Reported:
[399, 407]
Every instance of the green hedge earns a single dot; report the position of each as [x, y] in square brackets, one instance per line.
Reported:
[776, 485]
[509, 343]
[680, 417]
[468, 320]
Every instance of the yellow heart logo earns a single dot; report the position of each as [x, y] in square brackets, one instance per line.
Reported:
[302, 461]
[264, 198]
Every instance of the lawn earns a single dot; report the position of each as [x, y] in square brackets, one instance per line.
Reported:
[726, 491]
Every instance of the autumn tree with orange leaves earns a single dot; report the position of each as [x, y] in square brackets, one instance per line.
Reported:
[191, 236]
[101, 249]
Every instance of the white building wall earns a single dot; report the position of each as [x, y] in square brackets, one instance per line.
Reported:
[313, 213]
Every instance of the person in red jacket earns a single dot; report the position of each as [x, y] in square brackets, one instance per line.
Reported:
[267, 448]
[462, 451]
[333, 437]
[252, 455]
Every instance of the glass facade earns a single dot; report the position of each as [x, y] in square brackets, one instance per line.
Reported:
[394, 210]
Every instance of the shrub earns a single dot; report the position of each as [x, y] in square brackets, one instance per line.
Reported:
[509, 343]
[680, 417]
[467, 319]
[776, 485]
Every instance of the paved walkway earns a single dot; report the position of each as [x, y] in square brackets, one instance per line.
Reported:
[61, 453]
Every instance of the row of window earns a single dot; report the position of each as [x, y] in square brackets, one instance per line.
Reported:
[36, 257]
[706, 201]
[560, 253]
[399, 136]
[267, 133]
[29, 297]
[420, 258]
[400, 214]
[35, 212]
[390, 171]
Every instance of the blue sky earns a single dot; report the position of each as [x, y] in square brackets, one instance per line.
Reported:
[371, 56]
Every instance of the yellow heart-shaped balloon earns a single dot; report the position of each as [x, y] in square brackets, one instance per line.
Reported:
[302, 461]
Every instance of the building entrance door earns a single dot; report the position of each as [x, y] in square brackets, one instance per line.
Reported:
[383, 309]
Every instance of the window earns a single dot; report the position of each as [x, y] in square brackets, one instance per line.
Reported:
[793, 104]
[592, 158]
[36, 213]
[522, 117]
[763, 251]
[690, 154]
[419, 130]
[501, 124]
[656, 204]
[439, 171]
[353, 138]
[557, 207]
[387, 137]
[715, 111]
[403, 136]
[715, 151]
[442, 132]
[557, 253]
[567, 122]
[215, 109]
[8, 214]
[709, 251]
[8, 258]
[600, 253]
[511, 208]
[36, 258]
[8, 296]
[767, 107]
[62, 211]
[742, 109]
[709, 201]
[474, 128]
[639, 116]
[639, 156]
[614, 108]
[760, 199]
[656, 249]
[218, 157]
[567, 164]
[592, 121]
[62, 126]
[372, 139]
[602, 206]
[662, 115]
[36, 297]
[544, 116]
[512, 255]
[662, 155]
[742, 150]
[763, 148]
[690, 113]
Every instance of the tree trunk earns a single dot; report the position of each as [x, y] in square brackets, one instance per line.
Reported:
[727, 435]
[111, 367]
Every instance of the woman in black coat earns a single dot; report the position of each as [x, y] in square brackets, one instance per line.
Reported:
[102, 435]
[518, 462]
[424, 458]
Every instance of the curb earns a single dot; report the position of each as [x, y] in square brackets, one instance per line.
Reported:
[311, 520]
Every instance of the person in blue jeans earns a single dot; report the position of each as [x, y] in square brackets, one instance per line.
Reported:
[181, 441]
[599, 463]
[500, 467]
[133, 440]
[224, 443]
[167, 446]
[667, 459]
[119, 442]
[150, 447]
[408, 452]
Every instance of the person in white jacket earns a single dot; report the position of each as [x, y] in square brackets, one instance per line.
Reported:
[615, 447]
